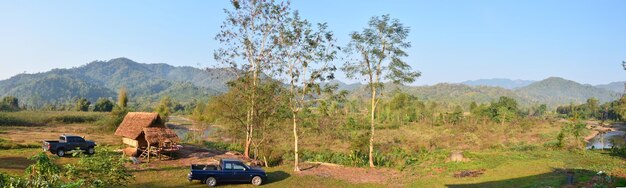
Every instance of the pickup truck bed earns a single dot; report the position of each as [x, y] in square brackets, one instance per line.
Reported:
[204, 167]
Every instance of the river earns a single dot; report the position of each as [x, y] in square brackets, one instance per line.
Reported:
[609, 139]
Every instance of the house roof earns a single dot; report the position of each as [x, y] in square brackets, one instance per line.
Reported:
[160, 134]
[134, 122]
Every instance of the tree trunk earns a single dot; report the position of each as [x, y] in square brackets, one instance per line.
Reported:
[371, 157]
[295, 143]
[246, 150]
[251, 115]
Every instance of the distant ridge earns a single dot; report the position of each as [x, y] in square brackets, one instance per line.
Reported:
[147, 83]
[558, 91]
[499, 82]
[613, 86]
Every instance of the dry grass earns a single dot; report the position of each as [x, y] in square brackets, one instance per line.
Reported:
[34, 135]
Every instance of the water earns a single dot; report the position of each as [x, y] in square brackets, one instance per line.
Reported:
[183, 127]
[607, 140]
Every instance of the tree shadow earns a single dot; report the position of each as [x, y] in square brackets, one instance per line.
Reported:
[277, 176]
[557, 178]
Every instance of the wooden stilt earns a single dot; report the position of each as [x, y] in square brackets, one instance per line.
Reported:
[149, 152]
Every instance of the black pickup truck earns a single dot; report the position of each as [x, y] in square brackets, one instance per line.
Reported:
[68, 144]
[228, 170]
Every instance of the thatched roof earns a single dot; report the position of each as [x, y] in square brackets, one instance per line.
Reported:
[160, 134]
[134, 122]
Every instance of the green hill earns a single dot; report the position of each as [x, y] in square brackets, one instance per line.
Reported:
[551, 91]
[558, 91]
[144, 82]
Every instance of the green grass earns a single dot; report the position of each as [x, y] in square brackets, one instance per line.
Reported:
[6, 144]
[503, 169]
[34, 118]
[280, 176]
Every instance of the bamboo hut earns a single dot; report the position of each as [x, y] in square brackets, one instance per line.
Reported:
[146, 133]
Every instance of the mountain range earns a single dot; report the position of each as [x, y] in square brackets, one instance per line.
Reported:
[146, 83]
[499, 82]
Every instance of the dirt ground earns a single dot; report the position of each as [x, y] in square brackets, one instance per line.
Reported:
[354, 175]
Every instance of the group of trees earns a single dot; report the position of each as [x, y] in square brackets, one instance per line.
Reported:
[592, 109]
[9, 104]
[266, 39]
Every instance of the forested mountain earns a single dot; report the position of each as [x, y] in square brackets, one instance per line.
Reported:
[551, 91]
[499, 82]
[144, 82]
[613, 86]
[558, 91]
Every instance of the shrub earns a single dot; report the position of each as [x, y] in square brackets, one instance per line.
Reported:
[223, 146]
[103, 169]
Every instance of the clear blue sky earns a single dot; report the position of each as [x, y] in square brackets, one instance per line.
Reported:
[453, 41]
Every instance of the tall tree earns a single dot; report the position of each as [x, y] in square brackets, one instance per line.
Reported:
[305, 53]
[122, 98]
[164, 107]
[247, 36]
[379, 50]
[103, 105]
[82, 104]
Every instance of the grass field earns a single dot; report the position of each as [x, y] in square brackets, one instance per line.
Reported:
[502, 169]
[519, 166]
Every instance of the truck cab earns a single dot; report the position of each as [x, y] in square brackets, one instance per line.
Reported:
[228, 170]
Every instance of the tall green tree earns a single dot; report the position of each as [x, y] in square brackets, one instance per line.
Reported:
[103, 105]
[119, 111]
[378, 51]
[82, 104]
[122, 98]
[9, 103]
[248, 38]
[164, 107]
[304, 52]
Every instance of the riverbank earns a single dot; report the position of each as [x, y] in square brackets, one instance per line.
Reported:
[597, 128]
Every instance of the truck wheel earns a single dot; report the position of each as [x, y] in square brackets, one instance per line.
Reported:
[60, 153]
[256, 180]
[91, 151]
[211, 182]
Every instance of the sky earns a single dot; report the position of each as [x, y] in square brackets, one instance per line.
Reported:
[452, 41]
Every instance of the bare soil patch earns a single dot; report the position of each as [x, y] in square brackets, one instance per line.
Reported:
[355, 175]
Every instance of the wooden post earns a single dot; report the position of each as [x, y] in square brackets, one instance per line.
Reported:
[148, 151]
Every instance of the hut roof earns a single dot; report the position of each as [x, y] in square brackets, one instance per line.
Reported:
[134, 122]
[160, 134]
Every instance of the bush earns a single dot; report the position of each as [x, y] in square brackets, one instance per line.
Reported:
[223, 146]
[103, 169]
